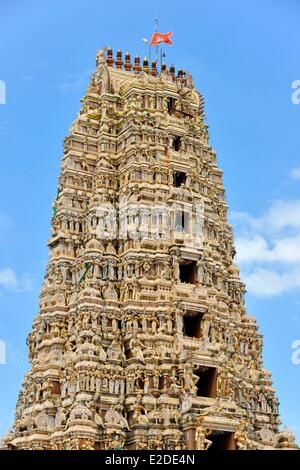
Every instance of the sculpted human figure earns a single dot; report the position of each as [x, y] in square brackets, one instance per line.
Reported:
[146, 385]
[190, 380]
[155, 378]
[154, 323]
[129, 321]
[135, 345]
[202, 443]
[200, 270]
[102, 354]
[130, 381]
[142, 443]
[241, 439]
[104, 321]
[176, 271]
[137, 152]
[124, 422]
[178, 347]
[179, 318]
[178, 441]
[169, 325]
[144, 323]
[114, 351]
[206, 325]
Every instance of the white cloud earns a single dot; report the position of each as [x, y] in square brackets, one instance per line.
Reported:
[270, 282]
[10, 282]
[282, 214]
[251, 250]
[268, 247]
[259, 249]
[295, 173]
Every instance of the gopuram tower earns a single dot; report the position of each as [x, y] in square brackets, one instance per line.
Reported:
[142, 340]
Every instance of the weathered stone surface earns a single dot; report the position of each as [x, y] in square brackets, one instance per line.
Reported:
[142, 340]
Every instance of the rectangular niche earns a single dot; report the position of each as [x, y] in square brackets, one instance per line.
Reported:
[188, 272]
[171, 105]
[176, 145]
[179, 178]
[207, 383]
[56, 387]
[222, 440]
[192, 325]
[182, 221]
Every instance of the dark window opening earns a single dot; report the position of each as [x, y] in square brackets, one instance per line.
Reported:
[192, 325]
[176, 143]
[171, 105]
[130, 417]
[179, 178]
[222, 440]
[188, 272]
[207, 383]
[182, 221]
[69, 275]
[129, 353]
[55, 387]
[161, 383]
[140, 384]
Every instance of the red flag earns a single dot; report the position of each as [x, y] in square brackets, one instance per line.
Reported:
[158, 38]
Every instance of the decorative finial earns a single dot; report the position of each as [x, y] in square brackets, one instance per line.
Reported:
[109, 59]
[128, 65]
[172, 72]
[145, 65]
[119, 61]
[153, 68]
[137, 67]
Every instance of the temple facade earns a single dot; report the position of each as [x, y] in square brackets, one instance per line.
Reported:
[142, 339]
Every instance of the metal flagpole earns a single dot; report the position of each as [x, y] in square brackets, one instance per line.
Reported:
[161, 57]
[156, 30]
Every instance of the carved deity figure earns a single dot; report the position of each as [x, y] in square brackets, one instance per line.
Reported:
[202, 443]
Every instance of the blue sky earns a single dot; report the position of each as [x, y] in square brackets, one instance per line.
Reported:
[244, 57]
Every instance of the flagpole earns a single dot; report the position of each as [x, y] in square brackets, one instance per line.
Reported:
[156, 30]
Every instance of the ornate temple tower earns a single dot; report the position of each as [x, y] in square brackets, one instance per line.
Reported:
[142, 340]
